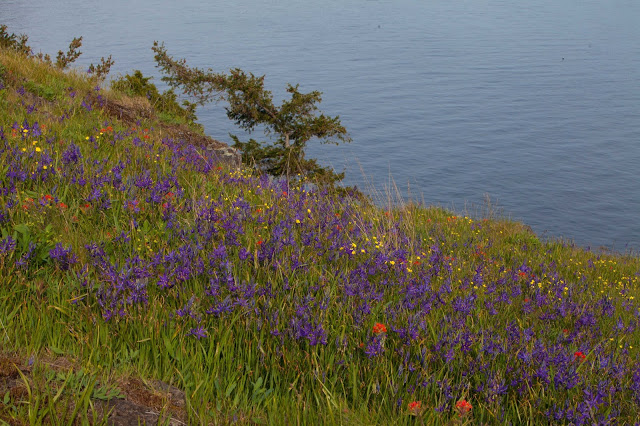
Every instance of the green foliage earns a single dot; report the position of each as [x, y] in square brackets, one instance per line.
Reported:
[65, 58]
[278, 161]
[55, 397]
[39, 90]
[524, 239]
[80, 380]
[3, 71]
[100, 71]
[19, 44]
[135, 85]
[250, 105]
[165, 103]
[13, 41]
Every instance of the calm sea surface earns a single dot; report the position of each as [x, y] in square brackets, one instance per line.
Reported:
[536, 104]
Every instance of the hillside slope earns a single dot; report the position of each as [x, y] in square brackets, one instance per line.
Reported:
[141, 278]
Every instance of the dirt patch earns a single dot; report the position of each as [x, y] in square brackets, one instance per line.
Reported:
[157, 395]
[182, 132]
[149, 403]
[130, 110]
[7, 366]
[145, 404]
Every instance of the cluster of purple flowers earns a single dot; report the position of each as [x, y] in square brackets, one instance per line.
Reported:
[315, 273]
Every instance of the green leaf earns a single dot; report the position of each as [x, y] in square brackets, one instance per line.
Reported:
[56, 350]
[22, 228]
[169, 346]
[11, 315]
[258, 384]
[230, 389]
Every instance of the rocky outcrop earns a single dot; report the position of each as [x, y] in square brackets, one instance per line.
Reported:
[130, 112]
[227, 155]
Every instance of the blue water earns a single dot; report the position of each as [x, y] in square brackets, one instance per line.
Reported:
[536, 104]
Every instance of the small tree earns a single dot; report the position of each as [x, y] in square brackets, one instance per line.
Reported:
[64, 59]
[293, 123]
[14, 41]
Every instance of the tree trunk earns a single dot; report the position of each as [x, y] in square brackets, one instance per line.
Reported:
[286, 140]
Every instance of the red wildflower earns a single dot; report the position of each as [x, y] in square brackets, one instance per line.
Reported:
[379, 328]
[522, 274]
[415, 407]
[463, 407]
[132, 205]
[579, 356]
[259, 242]
[62, 205]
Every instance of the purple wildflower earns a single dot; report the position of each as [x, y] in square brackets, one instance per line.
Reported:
[64, 258]
[71, 155]
[7, 245]
[24, 259]
[198, 332]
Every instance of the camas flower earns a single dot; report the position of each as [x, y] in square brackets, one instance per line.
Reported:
[198, 332]
[7, 245]
[64, 258]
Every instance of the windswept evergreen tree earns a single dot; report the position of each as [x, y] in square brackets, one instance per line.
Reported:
[250, 105]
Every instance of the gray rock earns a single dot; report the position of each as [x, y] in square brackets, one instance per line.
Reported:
[227, 155]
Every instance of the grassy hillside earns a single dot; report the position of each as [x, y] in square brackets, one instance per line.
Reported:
[140, 279]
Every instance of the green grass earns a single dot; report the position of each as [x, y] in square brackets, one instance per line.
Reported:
[293, 258]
